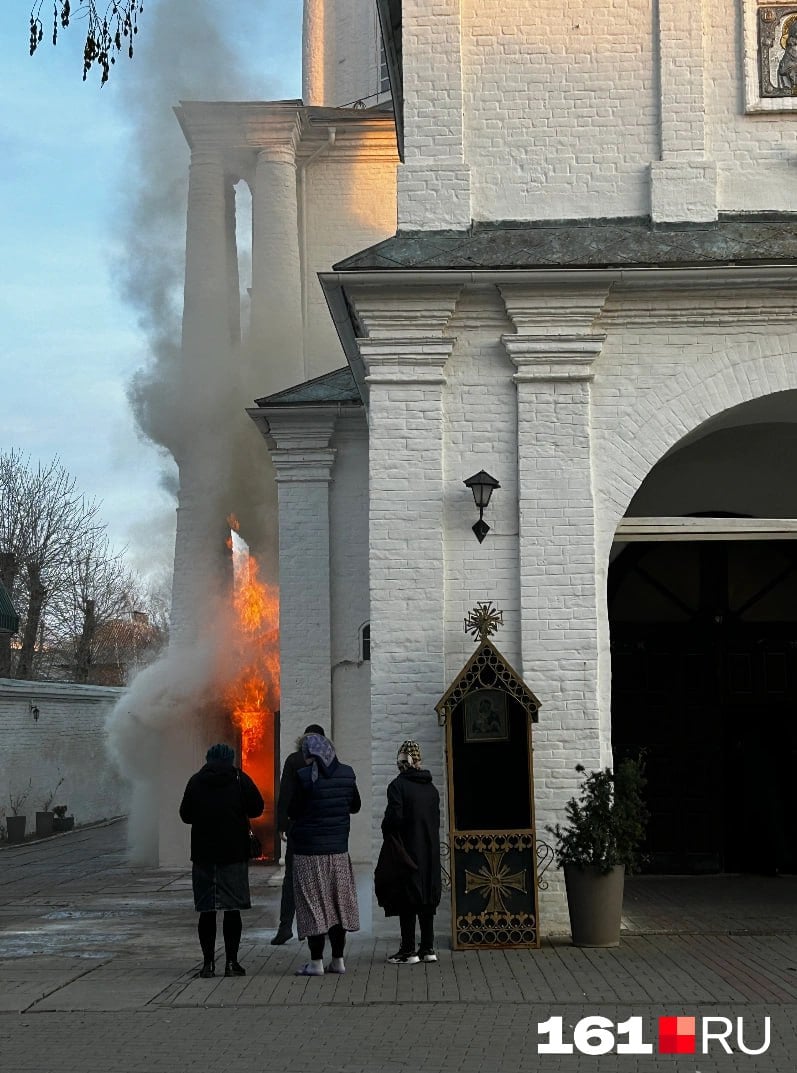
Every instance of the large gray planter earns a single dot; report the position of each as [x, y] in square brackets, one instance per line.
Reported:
[595, 902]
[15, 828]
[63, 823]
[44, 824]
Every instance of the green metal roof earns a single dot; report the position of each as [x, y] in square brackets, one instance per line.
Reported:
[738, 239]
[334, 387]
[9, 619]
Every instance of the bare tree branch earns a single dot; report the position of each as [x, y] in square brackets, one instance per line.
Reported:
[107, 34]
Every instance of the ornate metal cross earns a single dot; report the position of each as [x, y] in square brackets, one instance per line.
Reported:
[494, 881]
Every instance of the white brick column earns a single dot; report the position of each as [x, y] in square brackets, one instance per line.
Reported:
[303, 461]
[434, 180]
[206, 314]
[276, 323]
[684, 181]
[210, 322]
[559, 631]
[317, 55]
[405, 357]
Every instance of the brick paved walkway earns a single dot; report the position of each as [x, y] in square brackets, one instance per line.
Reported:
[98, 963]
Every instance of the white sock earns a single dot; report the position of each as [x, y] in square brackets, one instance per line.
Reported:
[337, 964]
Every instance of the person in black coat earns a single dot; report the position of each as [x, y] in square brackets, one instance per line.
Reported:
[407, 877]
[218, 802]
[288, 785]
[323, 878]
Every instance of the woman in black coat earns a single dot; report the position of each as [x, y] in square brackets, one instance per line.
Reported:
[408, 872]
[218, 802]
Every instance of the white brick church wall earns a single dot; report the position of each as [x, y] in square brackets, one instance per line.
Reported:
[668, 364]
[351, 674]
[564, 111]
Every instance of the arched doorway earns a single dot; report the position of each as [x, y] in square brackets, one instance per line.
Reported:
[703, 617]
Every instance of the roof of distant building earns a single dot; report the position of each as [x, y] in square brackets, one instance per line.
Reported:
[9, 619]
[733, 239]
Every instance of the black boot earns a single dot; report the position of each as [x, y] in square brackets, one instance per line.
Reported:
[284, 933]
[232, 968]
[208, 969]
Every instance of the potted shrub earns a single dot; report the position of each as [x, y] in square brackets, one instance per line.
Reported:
[44, 818]
[16, 822]
[62, 822]
[597, 845]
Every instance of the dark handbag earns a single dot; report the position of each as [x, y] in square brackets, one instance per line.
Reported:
[255, 845]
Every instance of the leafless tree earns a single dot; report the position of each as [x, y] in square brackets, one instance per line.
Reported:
[12, 527]
[106, 624]
[111, 27]
[98, 589]
[85, 615]
[44, 518]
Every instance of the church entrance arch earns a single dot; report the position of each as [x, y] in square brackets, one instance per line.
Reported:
[702, 600]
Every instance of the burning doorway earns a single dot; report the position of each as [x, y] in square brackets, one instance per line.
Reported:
[252, 698]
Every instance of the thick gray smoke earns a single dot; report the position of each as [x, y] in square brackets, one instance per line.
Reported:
[191, 405]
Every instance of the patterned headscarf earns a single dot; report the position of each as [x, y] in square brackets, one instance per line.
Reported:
[320, 750]
[408, 756]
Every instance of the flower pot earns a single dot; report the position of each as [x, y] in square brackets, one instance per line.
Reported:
[44, 824]
[15, 828]
[63, 823]
[595, 903]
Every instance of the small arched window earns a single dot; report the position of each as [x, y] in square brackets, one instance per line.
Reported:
[365, 642]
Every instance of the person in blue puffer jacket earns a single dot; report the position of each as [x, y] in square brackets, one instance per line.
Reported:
[323, 878]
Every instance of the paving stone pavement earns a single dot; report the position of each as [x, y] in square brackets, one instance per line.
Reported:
[98, 965]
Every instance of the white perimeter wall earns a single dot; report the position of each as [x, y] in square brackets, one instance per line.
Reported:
[68, 740]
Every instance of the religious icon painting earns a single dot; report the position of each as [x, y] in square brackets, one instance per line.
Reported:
[485, 716]
[770, 56]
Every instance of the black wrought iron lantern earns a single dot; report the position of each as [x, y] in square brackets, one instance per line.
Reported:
[482, 485]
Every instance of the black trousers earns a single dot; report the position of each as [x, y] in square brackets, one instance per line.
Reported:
[425, 918]
[231, 926]
[287, 902]
[337, 939]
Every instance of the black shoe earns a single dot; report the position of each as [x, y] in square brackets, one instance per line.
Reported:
[284, 933]
[208, 970]
[427, 954]
[404, 957]
[232, 968]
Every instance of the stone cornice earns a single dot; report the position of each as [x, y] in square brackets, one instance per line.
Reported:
[248, 126]
[553, 357]
[401, 361]
[299, 440]
[419, 313]
[228, 125]
[554, 309]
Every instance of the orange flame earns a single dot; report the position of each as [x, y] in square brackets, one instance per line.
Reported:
[253, 698]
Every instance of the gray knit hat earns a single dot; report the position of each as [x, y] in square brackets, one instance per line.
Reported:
[221, 753]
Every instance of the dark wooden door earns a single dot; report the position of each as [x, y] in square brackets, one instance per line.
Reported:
[704, 678]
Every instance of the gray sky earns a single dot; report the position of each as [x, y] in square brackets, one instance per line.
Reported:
[71, 155]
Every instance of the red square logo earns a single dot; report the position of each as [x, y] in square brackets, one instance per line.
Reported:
[676, 1035]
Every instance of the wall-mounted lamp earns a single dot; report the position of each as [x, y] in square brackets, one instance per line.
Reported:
[34, 711]
[482, 486]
